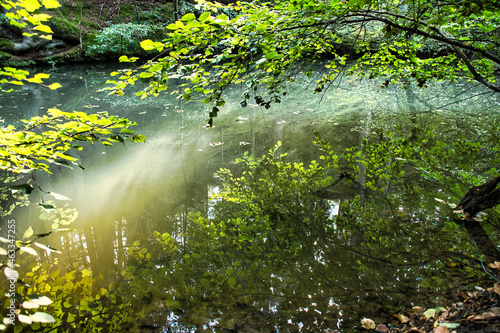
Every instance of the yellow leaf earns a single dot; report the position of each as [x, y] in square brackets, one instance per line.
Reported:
[55, 86]
[50, 4]
[30, 5]
[38, 78]
[28, 233]
[41, 17]
[44, 28]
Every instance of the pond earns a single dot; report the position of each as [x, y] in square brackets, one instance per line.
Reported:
[312, 237]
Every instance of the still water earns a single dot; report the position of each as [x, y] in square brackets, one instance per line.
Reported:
[134, 207]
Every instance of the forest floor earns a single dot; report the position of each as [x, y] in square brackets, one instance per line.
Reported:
[477, 311]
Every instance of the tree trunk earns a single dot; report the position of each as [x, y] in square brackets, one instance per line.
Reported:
[477, 199]
[482, 240]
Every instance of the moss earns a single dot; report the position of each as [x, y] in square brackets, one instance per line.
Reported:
[65, 30]
[6, 44]
[89, 25]
[12, 62]
[4, 55]
[127, 13]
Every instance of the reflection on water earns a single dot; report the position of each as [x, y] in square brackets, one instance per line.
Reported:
[309, 269]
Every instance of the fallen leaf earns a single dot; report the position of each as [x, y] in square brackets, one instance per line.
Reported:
[491, 314]
[415, 310]
[496, 265]
[382, 328]
[441, 329]
[401, 317]
[430, 313]
[496, 288]
[368, 324]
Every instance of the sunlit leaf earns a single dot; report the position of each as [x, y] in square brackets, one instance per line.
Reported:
[55, 86]
[44, 28]
[40, 300]
[47, 248]
[31, 5]
[28, 233]
[42, 317]
[58, 196]
[50, 4]
[24, 319]
[29, 305]
[62, 229]
[11, 274]
[29, 250]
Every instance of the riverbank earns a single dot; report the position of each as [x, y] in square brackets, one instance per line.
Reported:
[476, 310]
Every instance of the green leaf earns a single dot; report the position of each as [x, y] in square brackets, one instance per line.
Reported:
[188, 17]
[150, 45]
[24, 188]
[46, 207]
[204, 16]
[222, 17]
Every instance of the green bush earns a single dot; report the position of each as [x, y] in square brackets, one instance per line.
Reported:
[118, 39]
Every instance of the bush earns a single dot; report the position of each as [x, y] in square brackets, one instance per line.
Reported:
[119, 39]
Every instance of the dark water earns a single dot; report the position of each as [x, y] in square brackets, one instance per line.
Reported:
[329, 281]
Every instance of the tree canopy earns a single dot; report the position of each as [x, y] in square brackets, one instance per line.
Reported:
[264, 46]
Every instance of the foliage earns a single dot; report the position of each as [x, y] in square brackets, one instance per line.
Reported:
[266, 45]
[270, 240]
[22, 14]
[25, 150]
[119, 39]
[49, 299]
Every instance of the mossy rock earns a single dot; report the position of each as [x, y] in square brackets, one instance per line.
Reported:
[6, 44]
[69, 56]
[65, 30]
[5, 55]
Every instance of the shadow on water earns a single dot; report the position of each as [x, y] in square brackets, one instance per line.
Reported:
[274, 256]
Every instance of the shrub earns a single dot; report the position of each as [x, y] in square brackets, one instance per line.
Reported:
[119, 39]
